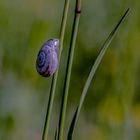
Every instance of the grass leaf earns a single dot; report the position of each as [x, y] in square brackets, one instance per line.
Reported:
[92, 73]
[55, 76]
[68, 70]
[56, 134]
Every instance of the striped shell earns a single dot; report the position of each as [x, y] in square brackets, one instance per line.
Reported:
[47, 61]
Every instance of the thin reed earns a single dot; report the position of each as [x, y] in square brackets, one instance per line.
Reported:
[54, 79]
[60, 129]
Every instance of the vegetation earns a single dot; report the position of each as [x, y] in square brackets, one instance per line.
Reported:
[111, 109]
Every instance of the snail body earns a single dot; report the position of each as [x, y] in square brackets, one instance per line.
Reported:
[47, 59]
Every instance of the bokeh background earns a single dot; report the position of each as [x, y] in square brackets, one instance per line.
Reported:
[112, 107]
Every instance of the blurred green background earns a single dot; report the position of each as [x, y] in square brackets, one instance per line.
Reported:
[112, 107]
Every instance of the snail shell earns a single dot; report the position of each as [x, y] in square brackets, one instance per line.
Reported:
[47, 59]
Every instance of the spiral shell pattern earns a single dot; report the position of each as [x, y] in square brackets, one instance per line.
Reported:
[47, 59]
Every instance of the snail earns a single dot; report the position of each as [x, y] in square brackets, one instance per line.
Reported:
[47, 58]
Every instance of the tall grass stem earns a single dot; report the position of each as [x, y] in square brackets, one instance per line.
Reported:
[68, 69]
[54, 78]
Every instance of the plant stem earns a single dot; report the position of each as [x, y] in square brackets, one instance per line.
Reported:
[54, 79]
[68, 69]
[92, 73]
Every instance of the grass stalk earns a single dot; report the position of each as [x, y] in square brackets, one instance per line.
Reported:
[54, 78]
[92, 73]
[68, 69]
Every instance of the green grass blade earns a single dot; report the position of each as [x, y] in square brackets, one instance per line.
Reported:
[68, 70]
[56, 134]
[54, 78]
[92, 73]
